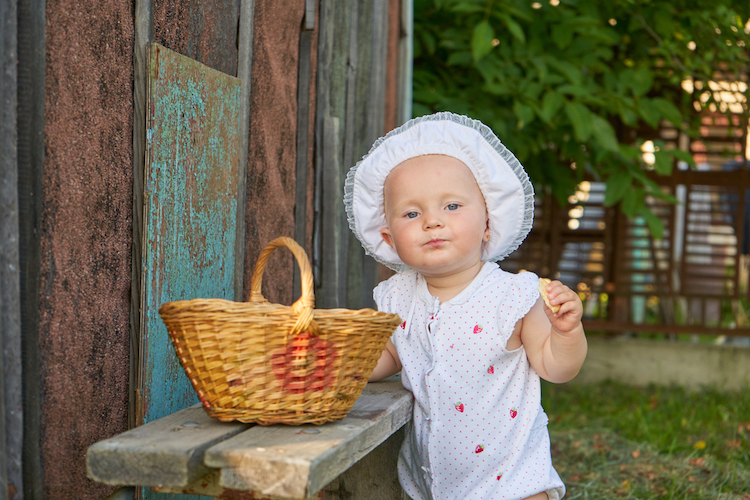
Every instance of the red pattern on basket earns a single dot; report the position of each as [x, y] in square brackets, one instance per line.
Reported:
[203, 399]
[306, 364]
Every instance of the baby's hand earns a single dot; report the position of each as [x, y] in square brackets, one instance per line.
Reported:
[562, 305]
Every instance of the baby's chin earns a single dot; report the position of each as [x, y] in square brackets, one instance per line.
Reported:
[447, 269]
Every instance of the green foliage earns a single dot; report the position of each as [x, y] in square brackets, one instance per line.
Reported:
[576, 88]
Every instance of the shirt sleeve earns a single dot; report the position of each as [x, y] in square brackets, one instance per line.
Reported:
[392, 296]
[521, 295]
[378, 294]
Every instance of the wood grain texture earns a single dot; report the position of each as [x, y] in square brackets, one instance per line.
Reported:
[75, 391]
[297, 462]
[271, 164]
[28, 477]
[143, 35]
[11, 396]
[337, 63]
[165, 452]
[190, 222]
[203, 30]
[184, 452]
[372, 478]
[304, 78]
[244, 73]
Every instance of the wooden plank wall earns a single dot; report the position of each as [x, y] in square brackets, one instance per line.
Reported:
[76, 316]
[273, 159]
[11, 423]
[203, 30]
[30, 151]
[206, 32]
[191, 209]
[351, 116]
[223, 47]
[80, 177]
[305, 119]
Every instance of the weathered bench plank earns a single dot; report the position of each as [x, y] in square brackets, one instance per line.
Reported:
[165, 452]
[297, 462]
[190, 452]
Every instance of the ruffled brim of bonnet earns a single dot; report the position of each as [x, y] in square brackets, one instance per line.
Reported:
[506, 187]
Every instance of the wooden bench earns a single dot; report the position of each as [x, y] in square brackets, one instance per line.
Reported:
[188, 452]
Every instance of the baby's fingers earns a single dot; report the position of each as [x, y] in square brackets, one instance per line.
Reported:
[546, 287]
[559, 298]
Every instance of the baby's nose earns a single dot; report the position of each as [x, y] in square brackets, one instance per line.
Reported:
[432, 221]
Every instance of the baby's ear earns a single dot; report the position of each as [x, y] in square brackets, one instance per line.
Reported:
[486, 236]
[386, 235]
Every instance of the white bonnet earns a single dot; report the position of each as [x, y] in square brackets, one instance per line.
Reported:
[507, 191]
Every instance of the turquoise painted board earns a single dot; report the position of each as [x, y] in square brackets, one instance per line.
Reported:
[190, 210]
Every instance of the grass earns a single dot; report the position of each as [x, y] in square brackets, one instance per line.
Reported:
[611, 440]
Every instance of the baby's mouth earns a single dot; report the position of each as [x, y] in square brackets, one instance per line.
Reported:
[435, 242]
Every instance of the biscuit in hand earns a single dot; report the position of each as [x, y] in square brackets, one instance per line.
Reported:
[543, 282]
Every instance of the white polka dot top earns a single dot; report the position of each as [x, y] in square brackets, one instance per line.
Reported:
[479, 430]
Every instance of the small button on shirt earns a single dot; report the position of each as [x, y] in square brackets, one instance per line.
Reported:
[478, 430]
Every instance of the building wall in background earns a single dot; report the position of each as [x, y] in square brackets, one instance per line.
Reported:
[78, 328]
[86, 235]
[272, 152]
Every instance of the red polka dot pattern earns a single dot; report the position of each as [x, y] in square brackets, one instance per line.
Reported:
[479, 430]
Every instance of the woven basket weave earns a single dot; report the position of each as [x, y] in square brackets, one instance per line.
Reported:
[269, 363]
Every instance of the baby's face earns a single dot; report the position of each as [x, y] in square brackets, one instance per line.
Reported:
[437, 218]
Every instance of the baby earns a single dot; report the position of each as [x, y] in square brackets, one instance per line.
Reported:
[440, 200]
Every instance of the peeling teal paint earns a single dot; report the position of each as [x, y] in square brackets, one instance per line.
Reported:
[192, 174]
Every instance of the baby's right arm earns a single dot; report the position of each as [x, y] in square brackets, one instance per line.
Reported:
[388, 364]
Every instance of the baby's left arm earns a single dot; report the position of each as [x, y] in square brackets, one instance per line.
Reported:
[555, 342]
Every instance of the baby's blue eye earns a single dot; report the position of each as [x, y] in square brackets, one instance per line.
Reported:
[452, 206]
[411, 215]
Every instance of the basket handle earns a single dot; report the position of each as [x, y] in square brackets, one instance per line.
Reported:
[304, 306]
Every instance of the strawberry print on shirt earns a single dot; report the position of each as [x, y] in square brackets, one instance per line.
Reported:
[478, 429]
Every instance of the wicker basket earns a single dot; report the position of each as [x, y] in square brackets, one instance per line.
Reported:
[269, 363]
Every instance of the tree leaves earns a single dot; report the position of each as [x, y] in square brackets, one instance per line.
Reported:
[668, 110]
[604, 133]
[563, 84]
[655, 224]
[514, 28]
[481, 40]
[562, 35]
[568, 69]
[551, 104]
[524, 113]
[684, 156]
[632, 202]
[581, 118]
[639, 81]
[663, 163]
[649, 112]
[617, 185]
